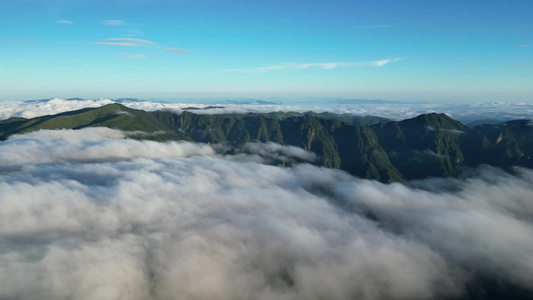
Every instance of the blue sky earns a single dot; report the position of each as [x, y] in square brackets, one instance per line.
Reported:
[454, 51]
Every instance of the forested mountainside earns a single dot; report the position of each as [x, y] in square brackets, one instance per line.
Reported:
[367, 147]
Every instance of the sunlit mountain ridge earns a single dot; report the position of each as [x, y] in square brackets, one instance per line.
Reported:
[368, 147]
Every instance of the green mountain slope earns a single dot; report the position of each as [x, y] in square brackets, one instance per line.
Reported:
[427, 145]
[511, 142]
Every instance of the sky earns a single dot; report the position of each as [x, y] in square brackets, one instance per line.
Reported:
[436, 51]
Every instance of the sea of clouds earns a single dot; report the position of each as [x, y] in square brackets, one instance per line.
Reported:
[395, 110]
[89, 214]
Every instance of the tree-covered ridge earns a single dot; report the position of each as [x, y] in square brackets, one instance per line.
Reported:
[384, 150]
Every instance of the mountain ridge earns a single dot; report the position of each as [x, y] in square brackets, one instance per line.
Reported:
[370, 147]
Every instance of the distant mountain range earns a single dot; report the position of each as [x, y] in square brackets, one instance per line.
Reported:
[368, 147]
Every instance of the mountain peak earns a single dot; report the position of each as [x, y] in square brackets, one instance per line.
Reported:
[435, 120]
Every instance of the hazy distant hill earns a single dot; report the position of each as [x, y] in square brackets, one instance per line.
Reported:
[368, 147]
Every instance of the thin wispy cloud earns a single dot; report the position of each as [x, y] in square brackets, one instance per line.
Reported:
[131, 40]
[112, 22]
[176, 50]
[64, 22]
[132, 32]
[113, 44]
[323, 66]
[127, 56]
[134, 42]
[523, 46]
[377, 63]
[373, 26]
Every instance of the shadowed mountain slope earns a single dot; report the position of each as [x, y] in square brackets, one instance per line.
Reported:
[388, 151]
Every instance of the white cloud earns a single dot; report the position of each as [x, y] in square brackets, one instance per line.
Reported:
[377, 63]
[279, 152]
[254, 229]
[324, 66]
[452, 130]
[112, 22]
[139, 220]
[64, 22]
[456, 223]
[86, 134]
[114, 44]
[392, 110]
[32, 109]
[131, 40]
[89, 145]
[176, 50]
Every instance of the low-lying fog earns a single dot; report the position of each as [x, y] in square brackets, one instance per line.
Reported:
[89, 215]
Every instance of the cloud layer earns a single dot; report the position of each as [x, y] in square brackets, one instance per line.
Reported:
[101, 217]
[388, 109]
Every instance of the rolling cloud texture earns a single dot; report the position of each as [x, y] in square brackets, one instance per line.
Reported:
[88, 214]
